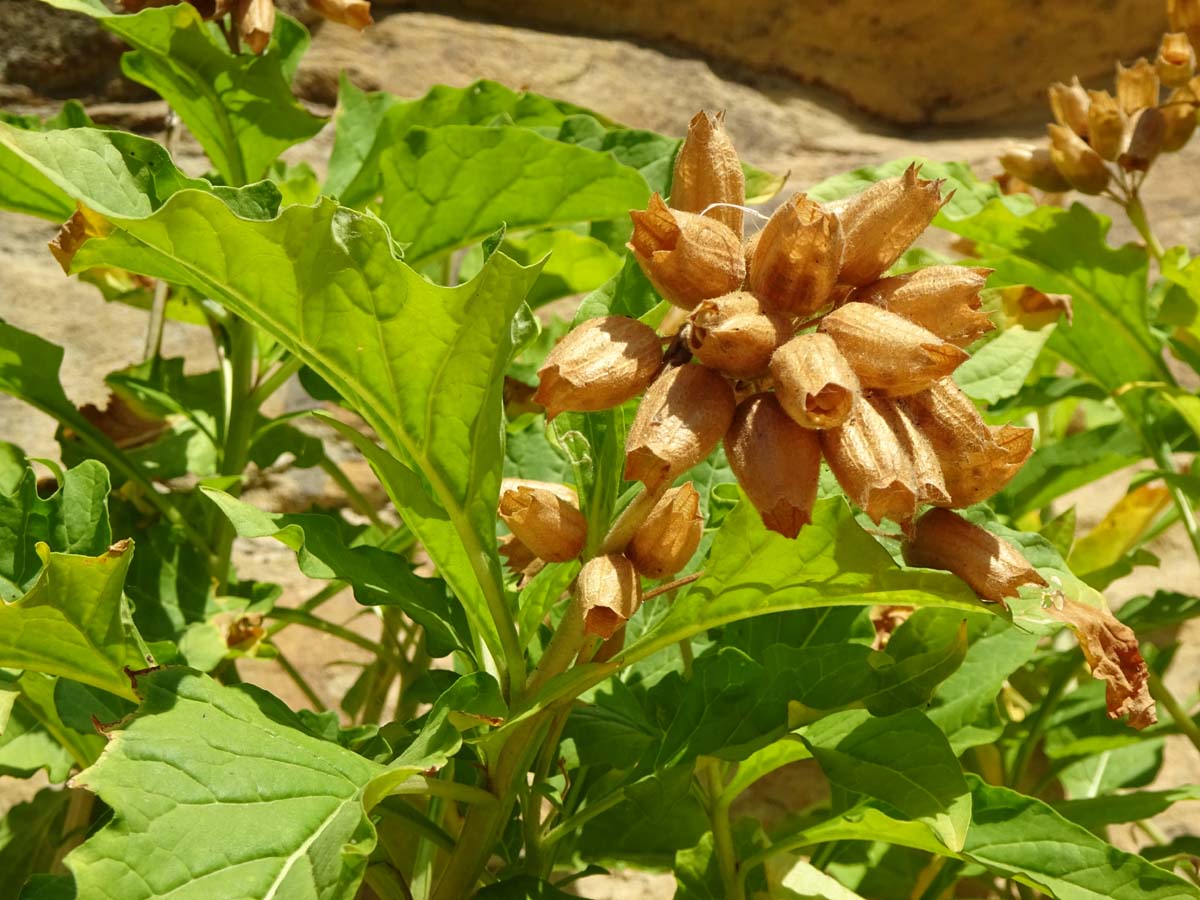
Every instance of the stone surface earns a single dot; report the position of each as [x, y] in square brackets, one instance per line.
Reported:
[916, 61]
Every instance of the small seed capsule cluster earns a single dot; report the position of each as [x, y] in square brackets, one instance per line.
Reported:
[792, 347]
[1101, 141]
[547, 526]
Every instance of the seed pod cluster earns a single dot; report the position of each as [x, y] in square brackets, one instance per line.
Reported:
[795, 346]
[1099, 139]
[254, 20]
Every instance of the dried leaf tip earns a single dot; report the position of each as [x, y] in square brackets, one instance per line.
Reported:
[708, 171]
[687, 257]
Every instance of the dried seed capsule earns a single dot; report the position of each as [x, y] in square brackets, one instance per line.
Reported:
[688, 258]
[681, 419]
[1179, 116]
[993, 568]
[1108, 126]
[976, 460]
[1145, 142]
[797, 259]
[1184, 15]
[1069, 103]
[668, 538]
[880, 223]
[928, 480]
[516, 554]
[734, 335]
[942, 299]
[749, 248]
[871, 465]
[1176, 62]
[255, 21]
[564, 492]
[776, 461]
[1079, 163]
[1137, 87]
[355, 13]
[1034, 166]
[887, 352]
[707, 171]
[609, 591]
[551, 527]
[813, 381]
[599, 365]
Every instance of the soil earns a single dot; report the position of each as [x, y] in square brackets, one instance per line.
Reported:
[776, 123]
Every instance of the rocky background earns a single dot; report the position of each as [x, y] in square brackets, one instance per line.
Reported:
[814, 87]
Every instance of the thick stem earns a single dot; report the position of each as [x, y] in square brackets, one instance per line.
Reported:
[240, 412]
[718, 818]
[1137, 217]
[631, 519]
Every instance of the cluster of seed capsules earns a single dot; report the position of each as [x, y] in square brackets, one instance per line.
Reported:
[1100, 142]
[788, 347]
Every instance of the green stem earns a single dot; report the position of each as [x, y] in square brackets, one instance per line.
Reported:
[299, 617]
[718, 818]
[581, 818]
[240, 412]
[452, 790]
[358, 502]
[1184, 722]
[1162, 458]
[273, 382]
[294, 674]
[1137, 217]
[1038, 721]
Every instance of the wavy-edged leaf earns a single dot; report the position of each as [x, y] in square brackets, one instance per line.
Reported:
[23, 188]
[74, 622]
[218, 792]
[970, 194]
[378, 577]
[421, 363]
[29, 836]
[448, 187]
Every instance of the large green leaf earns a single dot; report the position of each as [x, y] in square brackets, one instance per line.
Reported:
[970, 194]
[998, 369]
[421, 363]
[240, 108]
[1064, 251]
[23, 188]
[29, 836]
[74, 622]
[74, 519]
[447, 187]
[219, 792]
[901, 759]
[377, 576]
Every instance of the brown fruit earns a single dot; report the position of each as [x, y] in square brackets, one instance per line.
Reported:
[942, 299]
[776, 461]
[1108, 126]
[683, 416]
[928, 481]
[609, 591]
[1069, 103]
[1176, 62]
[993, 568]
[734, 335]
[1145, 141]
[887, 352]
[871, 464]
[1179, 116]
[1137, 87]
[880, 223]
[1034, 166]
[797, 258]
[813, 381]
[255, 20]
[1184, 15]
[1080, 164]
[668, 538]
[516, 554]
[707, 171]
[599, 365]
[552, 528]
[355, 13]
[976, 460]
[688, 258]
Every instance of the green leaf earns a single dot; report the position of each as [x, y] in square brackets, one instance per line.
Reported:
[1095, 813]
[452, 186]
[74, 622]
[577, 263]
[421, 363]
[240, 108]
[29, 836]
[698, 872]
[74, 519]
[903, 760]
[218, 792]
[23, 188]
[1064, 251]
[39, 698]
[805, 881]
[379, 578]
[970, 194]
[26, 748]
[998, 368]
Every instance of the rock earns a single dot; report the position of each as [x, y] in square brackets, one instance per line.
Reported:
[913, 62]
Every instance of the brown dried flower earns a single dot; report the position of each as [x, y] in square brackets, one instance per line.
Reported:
[681, 419]
[735, 335]
[928, 480]
[687, 257]
[797, 258]
[670, 535]
[776, 461]
[1069, 103]
[255, 20]
[610, 592]
[813, 381]
[942, 299]
[1137, 87]
[871, 465]
[1179, 117]
[1145, 141]
[552, 528]
[707, 171]
[1176, 62]
[887, 352]
[1034, 166]
[1108, 126]
[1184, 15]
[1079, 163]
[599, 365]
